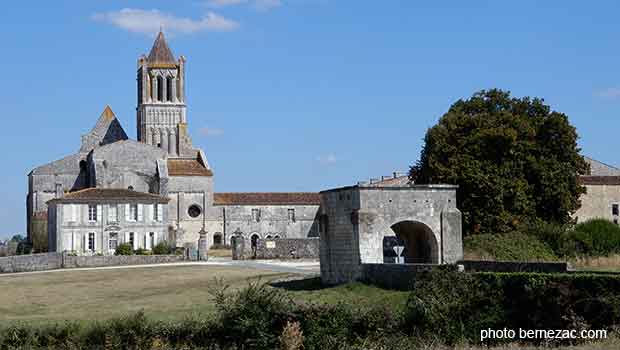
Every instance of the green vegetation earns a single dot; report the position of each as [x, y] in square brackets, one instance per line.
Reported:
[507, 247]
[514, 159]
[444, 308]
[124, 249]
[163, 248]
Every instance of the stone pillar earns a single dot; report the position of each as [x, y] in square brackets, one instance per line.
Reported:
[164, 140]
[149, 136]
[172, 143]
[173, 86]
[203, 246]
[164, 89]
[155, 88]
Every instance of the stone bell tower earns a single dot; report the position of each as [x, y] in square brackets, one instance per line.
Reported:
[161, 111]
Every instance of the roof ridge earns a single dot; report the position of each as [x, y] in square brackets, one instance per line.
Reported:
[160, 52]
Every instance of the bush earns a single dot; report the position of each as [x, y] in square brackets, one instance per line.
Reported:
[508, 247]
[142, 251]
[596, 237]
[124, 249]
[454, 307]
[162, 248]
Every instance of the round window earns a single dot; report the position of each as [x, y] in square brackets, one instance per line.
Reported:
[194, 211]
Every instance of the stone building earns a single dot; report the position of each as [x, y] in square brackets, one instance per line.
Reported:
[96, 220]
[602, 198]
[360, 225]
[161, 163]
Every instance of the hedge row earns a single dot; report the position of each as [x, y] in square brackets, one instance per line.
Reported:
[444, 308]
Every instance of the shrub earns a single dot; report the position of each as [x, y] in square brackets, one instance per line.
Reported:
[508, 247]
[292, 337]
[142, 251]
[123, 249]
[454, 307]
[162, 248]
[596, 237]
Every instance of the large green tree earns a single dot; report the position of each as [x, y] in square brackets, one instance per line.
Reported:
[514, 159]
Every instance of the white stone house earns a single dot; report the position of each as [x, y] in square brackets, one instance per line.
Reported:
[97, 220]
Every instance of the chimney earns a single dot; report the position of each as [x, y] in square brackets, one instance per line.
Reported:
[60, 192]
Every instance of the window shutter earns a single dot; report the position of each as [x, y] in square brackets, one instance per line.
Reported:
[99, 212]
[84, 243]
[160, 213]
[140, 212]
[147, 241]
[136, 240]
[155, 238]
[127, 217]
[95, 240]
[126, 237]
[73, 242]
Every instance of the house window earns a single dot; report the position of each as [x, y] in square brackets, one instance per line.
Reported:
[291, 215]
[113, 241]
[112, 213]
[151, 240]
[91, 241]
[256, 215]
[158, 212]
[133, 212]
[614, 209]
[131, 240]
[92, 212]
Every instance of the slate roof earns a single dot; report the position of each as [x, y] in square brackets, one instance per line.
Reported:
[187, 167]
[266, 198]
[161, 53]
[600, 180]
[109, 194]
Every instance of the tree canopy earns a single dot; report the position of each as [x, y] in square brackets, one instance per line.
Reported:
[514, 160]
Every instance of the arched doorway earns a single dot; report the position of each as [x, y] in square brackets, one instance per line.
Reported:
[254, 242]
[419, 241]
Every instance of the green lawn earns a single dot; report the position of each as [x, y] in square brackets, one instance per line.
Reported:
[169, 292]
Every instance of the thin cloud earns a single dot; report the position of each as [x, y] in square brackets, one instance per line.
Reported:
[611, 93]
[327, 159]
[211, 132]
[150, 21]
[265, 5]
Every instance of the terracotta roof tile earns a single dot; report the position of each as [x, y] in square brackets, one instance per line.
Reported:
[187, 167]
[599, 180]
[109, 194]
[266, 198]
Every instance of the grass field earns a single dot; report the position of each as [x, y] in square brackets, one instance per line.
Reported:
[165, 293]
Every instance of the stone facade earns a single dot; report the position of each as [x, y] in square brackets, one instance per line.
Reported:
[280, 248]
[360, 224]
[602, 197]
[95, 221]
[161, 162]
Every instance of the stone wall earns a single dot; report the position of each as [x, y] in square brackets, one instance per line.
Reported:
[118, 260]
[396, 276]
[283, 248]
[34, 262]
[597, 202]
[53, 261]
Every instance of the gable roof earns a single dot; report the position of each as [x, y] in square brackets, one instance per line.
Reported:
[109, 194]
[107, 130]
[187, 167]
[160, 52]
[266, 198]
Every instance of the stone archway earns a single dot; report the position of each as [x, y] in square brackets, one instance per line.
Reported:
[421, 246]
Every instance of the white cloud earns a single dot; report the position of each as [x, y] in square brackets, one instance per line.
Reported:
[211, 132]
[327, 159]
[150, 21]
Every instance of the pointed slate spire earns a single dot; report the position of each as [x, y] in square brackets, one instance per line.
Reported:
[160, 53]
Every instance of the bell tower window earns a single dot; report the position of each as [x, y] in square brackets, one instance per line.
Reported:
[169, 82]
[160, 88]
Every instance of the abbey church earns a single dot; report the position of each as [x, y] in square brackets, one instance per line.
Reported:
[159, 187]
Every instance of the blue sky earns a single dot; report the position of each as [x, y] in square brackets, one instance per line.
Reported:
[298, 95]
